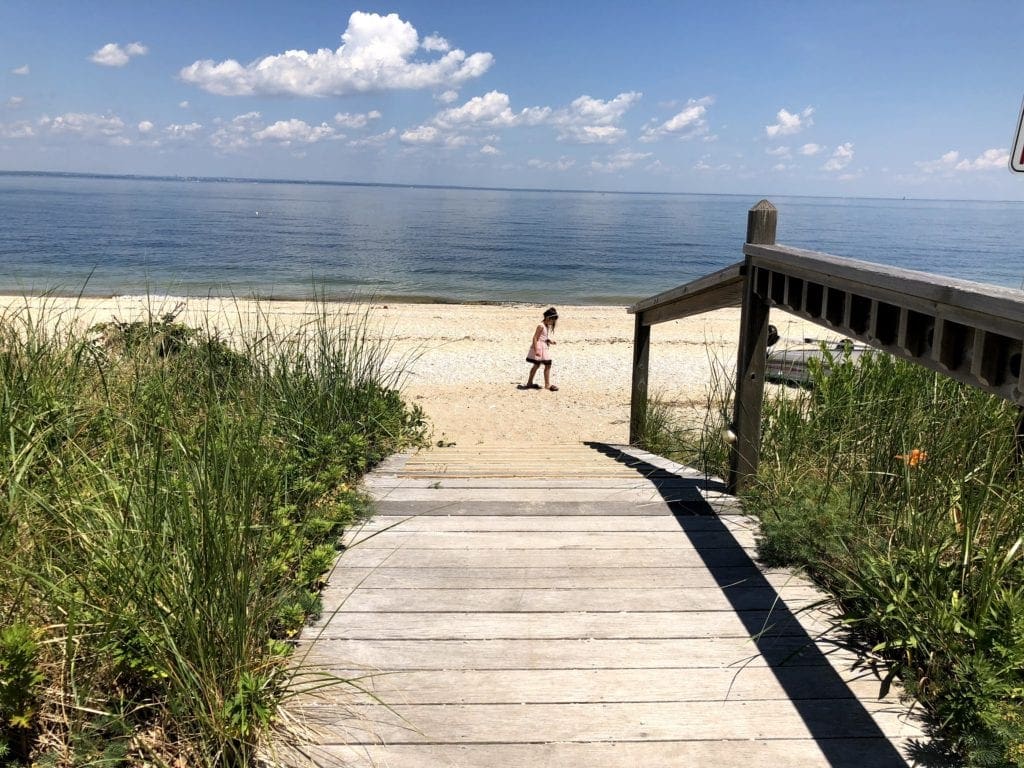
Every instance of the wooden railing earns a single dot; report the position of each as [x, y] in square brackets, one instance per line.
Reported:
[971, 332]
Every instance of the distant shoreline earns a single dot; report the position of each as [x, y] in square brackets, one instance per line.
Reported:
[352, 298]
[544, 190]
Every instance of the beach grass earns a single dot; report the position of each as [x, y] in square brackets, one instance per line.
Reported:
[171, 503]
[902, 493]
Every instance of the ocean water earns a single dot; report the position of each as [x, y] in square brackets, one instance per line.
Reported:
[109, 236]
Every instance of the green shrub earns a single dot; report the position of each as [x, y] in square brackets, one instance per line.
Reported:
[897, 489]
[20, 682]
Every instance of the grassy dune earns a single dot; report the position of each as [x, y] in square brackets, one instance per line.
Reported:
[170, 504]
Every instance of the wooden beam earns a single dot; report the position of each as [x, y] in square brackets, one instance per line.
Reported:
[681, 296]
[750, 362]
[992, 307]
[638, 390]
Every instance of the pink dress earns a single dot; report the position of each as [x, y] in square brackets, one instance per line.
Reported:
[539, 352]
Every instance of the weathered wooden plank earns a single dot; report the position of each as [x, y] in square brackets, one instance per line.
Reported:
[626, 624]
[714, 283]
[694, 577]
[594, 460]
[573, 471]
[694, 653]
[749, 753]
[664, 523]
[599, 481]
[606, 722]
[657, 506]
[606, 461]
[574, 686]
[526, 495]
[584, 457]
[397, 538]
[411, 557]
[740, 597]
[728, 294]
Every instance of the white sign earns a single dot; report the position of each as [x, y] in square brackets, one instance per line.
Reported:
[1017, 152]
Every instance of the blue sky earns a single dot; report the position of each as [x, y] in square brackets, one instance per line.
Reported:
[892, 99]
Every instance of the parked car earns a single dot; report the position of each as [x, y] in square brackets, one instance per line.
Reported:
[789, 365]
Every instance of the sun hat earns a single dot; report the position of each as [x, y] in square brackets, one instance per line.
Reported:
[551, 312]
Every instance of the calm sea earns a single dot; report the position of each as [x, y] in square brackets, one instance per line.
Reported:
[109, 236]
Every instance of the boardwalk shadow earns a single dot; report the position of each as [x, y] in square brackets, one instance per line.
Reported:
[831, 713]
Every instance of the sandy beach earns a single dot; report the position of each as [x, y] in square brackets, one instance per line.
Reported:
[463, 362]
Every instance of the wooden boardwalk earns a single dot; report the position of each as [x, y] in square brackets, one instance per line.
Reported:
[579, 605]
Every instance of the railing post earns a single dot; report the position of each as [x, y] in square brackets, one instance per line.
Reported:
[1018, 442]
[750, 360]
[638, 390]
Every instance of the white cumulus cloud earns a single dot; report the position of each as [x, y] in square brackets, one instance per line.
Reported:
[377, 54]
[377, 140]
[620, 161]
[778, 152]
[987, 160]
[22, 70]
[491, 109]
[448, 97]
[687, 124]
[20, 130]
[114, 55]
[361, 120]
[145, 126]
[952, 162]
[704, 165]
[84, 124]
[561, 164]
[237, 134]
[182, 131]
[789, 123]
[296, 131]
[594, 121]
[436, 43]
[945, 163]
[487, 149]
[810, 150]
[585, 121]
[591, 111]
[841, 158]
[14, 102]
[424, 134]
[592, 134]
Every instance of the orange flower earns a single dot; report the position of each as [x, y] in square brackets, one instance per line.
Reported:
[915, 457]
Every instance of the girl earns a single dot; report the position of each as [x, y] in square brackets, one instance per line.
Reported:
[539, 353]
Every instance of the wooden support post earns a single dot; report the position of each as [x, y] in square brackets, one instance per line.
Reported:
[750, 361]
[638, 393]
[1018, 442]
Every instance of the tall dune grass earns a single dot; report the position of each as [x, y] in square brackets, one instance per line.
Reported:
[900, 491]
[170, 505]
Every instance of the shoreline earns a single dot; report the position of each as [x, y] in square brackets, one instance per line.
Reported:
[462, 363]
[353, 298]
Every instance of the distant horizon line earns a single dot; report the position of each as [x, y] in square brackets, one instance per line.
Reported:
[466, 187]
